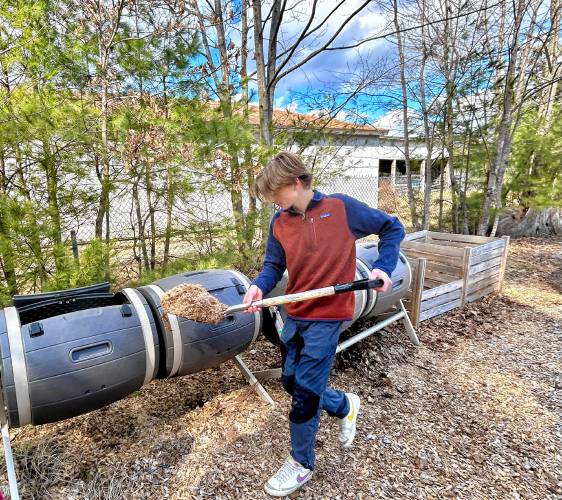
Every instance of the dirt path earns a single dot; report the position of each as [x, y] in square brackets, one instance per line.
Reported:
[475, 412]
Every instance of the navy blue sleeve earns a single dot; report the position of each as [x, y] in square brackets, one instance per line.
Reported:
[274, 263]
[364, 220]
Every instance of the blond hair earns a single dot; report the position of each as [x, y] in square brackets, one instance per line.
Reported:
[282, 170]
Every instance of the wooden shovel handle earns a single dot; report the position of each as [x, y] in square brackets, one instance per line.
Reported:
[310, 294]
[295, 297]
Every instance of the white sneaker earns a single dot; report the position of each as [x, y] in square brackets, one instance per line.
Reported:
[290, 477]
[348, 423]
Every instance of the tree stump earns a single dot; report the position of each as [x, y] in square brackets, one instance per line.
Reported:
[534, 222]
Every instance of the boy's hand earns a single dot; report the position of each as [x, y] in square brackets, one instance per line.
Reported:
[377, 273]
[253, 294]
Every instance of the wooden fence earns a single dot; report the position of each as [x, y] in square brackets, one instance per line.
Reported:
[449, 270]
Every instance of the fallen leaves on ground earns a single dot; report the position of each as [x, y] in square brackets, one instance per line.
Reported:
[473, 413]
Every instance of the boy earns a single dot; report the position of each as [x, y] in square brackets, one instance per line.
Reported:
[313, 237]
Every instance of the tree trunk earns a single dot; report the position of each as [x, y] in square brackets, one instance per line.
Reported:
[150, 203]
[553, 68]
[169, 208]
[251, 214]
[235, 184]
[264, 92]
[464, 206]
[449, 121]
[441, 191]
[140, 223]
[535, 222]
[6, 248]
[411, 200]
[170, 188]
[493, 193]
[105, 182]
[133, 220]
[265, 113]
[34, 237]
[49, 166]
[426, 219]
[106, 21]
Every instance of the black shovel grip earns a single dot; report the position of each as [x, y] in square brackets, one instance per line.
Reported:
[358, 285]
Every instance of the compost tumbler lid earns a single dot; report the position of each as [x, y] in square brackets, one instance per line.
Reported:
[67, 304]
[25, 300]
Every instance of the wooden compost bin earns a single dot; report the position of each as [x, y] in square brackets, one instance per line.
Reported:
[449, 270]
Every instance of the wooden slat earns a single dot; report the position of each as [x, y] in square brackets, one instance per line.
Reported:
[459, 244]
[465, 273]
[440, 299]
[481, 293]
[468, 238]
[418, 278]
[436, 311]
[487, 247]
[433, 257]
[439, 277]
[439, 267]
[434, 292]
[496, 252]
[487, 264]
[504, 261]
[475, 278]
[431, 248]
[430, 284]
[484, 283]
[418, 235]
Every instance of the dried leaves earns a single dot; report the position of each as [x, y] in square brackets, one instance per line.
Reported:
[474, 412]
[193, 302]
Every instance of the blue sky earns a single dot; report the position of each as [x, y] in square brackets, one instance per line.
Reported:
[329, 72]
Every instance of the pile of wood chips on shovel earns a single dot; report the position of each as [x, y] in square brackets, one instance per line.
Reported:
[193, 302]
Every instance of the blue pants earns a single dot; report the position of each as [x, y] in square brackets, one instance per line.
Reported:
[308, 349]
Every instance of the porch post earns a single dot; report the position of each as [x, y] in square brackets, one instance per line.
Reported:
[376, 173]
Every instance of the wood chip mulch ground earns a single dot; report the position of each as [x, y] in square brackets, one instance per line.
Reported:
[474, 412]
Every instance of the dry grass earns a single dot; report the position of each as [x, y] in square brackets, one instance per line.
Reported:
[473, 413]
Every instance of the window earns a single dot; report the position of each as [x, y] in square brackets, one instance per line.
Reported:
[385, 167]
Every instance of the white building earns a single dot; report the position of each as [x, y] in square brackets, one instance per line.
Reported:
[366, 155]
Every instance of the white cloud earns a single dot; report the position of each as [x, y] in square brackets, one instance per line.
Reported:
[293, 106]
[328, 69]
[316, 112]
[342, 116]
[286, 102]
[281, 101]
[323, 68]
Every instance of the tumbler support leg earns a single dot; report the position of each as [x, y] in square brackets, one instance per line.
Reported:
[12, 480]
[402, 314]
[252, 380]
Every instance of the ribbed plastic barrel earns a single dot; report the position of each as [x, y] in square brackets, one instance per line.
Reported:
[401, 277]
[189, 346]
[71, 352]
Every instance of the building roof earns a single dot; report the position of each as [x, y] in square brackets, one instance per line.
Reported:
[284, 118]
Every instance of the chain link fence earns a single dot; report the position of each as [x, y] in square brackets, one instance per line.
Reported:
[195, 231]
[202, 223]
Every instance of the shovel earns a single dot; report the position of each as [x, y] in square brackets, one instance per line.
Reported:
[364, 284]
